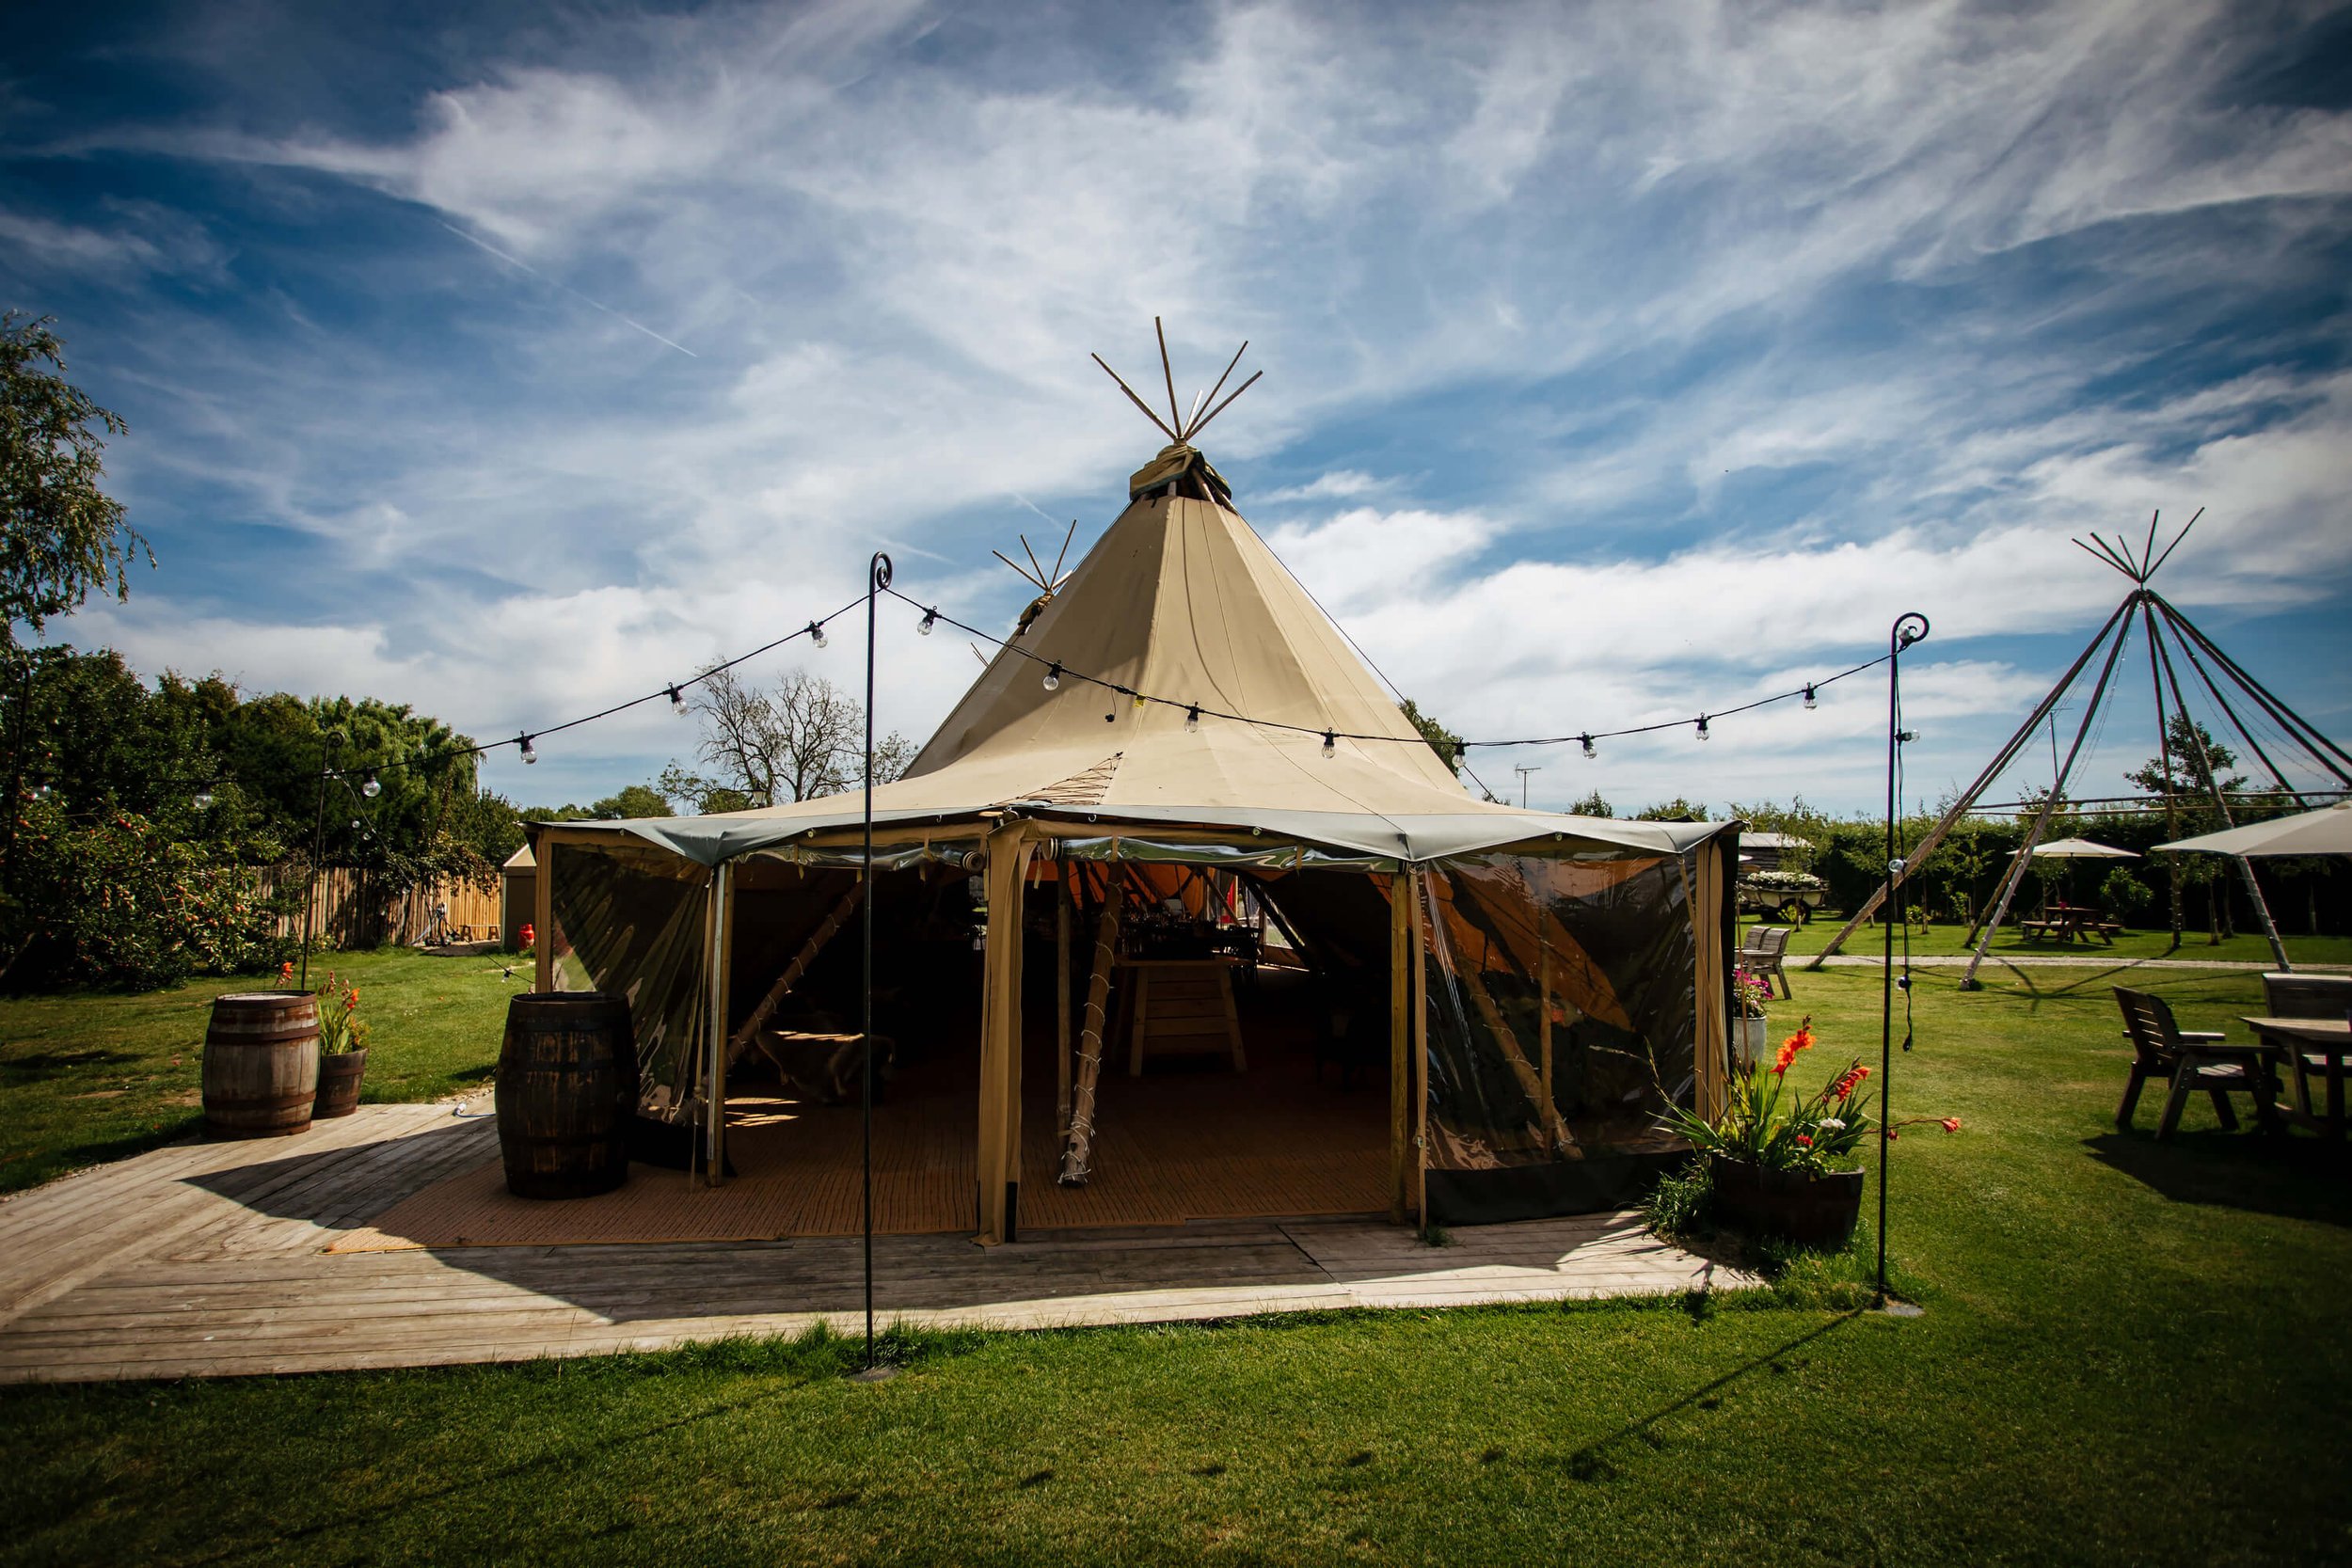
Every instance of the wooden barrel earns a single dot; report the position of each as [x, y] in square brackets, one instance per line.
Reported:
[261, 1064]
[567, 1090]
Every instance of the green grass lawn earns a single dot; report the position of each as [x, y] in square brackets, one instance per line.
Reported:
[2131, 1352]
[93, 1075]
[1945, 939]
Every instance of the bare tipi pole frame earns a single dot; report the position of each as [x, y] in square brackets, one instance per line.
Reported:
[2202, 656]
[1181, 427]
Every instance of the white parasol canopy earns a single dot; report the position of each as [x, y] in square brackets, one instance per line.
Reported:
[2325, 832]
[2079, 848]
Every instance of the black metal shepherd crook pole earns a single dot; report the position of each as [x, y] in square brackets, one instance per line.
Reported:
[876, 579]
[1907, 629]
[318, 847]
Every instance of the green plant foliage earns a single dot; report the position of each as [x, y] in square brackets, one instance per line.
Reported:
[61, 537]
[1683, 1202]
[1768, 1126]
[125, 902]
[1442, 740]
[2123, 894]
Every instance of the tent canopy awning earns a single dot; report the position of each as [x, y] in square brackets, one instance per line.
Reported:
[2325, 832]
[1424, 836]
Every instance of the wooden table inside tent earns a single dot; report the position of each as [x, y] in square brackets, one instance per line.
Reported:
[1176, 1005]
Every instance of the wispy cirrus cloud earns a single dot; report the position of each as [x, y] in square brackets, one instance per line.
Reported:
[1612, 352]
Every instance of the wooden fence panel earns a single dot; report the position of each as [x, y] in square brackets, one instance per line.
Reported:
[348, 908]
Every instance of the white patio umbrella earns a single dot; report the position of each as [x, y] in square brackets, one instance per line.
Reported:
[2325, 832]
[2077, 848]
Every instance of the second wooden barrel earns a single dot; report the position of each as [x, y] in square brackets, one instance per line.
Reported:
[261, 1064]
[567, 1090]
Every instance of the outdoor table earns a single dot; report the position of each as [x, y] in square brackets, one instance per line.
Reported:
[2065, 922]
[2298, 1040]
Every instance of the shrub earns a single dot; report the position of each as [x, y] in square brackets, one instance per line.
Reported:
[126, 904]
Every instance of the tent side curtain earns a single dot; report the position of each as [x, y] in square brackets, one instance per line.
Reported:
[1563, 1017]
[632, 920]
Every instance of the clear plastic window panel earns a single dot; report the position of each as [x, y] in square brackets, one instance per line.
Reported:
[1577, 974]
[632, 920]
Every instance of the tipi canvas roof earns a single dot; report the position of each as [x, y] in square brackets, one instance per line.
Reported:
[1181, 600]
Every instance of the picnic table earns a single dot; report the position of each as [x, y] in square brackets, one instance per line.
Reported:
[2307, 1045]
[2064, 922]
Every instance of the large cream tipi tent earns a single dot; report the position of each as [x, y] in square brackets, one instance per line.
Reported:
[1536, 986]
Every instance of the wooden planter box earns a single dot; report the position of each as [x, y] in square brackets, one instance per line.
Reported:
[1811, 1211]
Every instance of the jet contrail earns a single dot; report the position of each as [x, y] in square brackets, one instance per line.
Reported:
[555, 283]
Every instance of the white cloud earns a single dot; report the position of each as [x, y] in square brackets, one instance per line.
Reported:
[892, 262]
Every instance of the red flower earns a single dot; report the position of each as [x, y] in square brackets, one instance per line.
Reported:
[1951, 1124]
[1892, 1134]
[1804, 1140]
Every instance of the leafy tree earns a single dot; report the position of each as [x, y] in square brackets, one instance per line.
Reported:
[2198, 761]
[1442, 740]
[634, 800]
[1676, 810]
[60, 535]
[1592, 805]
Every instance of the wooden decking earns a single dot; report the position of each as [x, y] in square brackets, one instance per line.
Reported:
[210, 1259]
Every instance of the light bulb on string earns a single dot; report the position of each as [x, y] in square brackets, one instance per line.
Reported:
[930, 619]
[529, 752]
[677, 702]
[1703, 734]
[374, 786]
[1192, 718]
[816, 633]
[1811, 702]
[1053, 678]
[202, 801]
[1330, 744]
[1589, 752]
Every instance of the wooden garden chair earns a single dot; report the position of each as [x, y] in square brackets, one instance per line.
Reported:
[1761, 952]
[2189, 1060]
[2307, 995]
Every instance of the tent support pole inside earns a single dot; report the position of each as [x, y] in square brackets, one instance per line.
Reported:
[1008, 851]
[1400, 1042]
[542, 907]
[1421, 1052]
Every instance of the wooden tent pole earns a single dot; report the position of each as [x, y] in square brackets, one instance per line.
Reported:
[1000, 1036]
[722, 932]
[2049, 804]
[2302, 730]
[543, 910]
[1968, 797]
[1543, 1010]
[1062, 1001]
[2204, 765]
[2163, 760]
[1078, 1149]
[1400, 1042]
[1420, 1009]
[826, 930]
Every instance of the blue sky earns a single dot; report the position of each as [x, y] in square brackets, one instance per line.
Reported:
[1621, 362]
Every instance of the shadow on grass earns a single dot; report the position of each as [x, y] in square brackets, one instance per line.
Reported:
[39, 1065]
[2302, 1179]
[1591, 1462]
[815, 1357]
